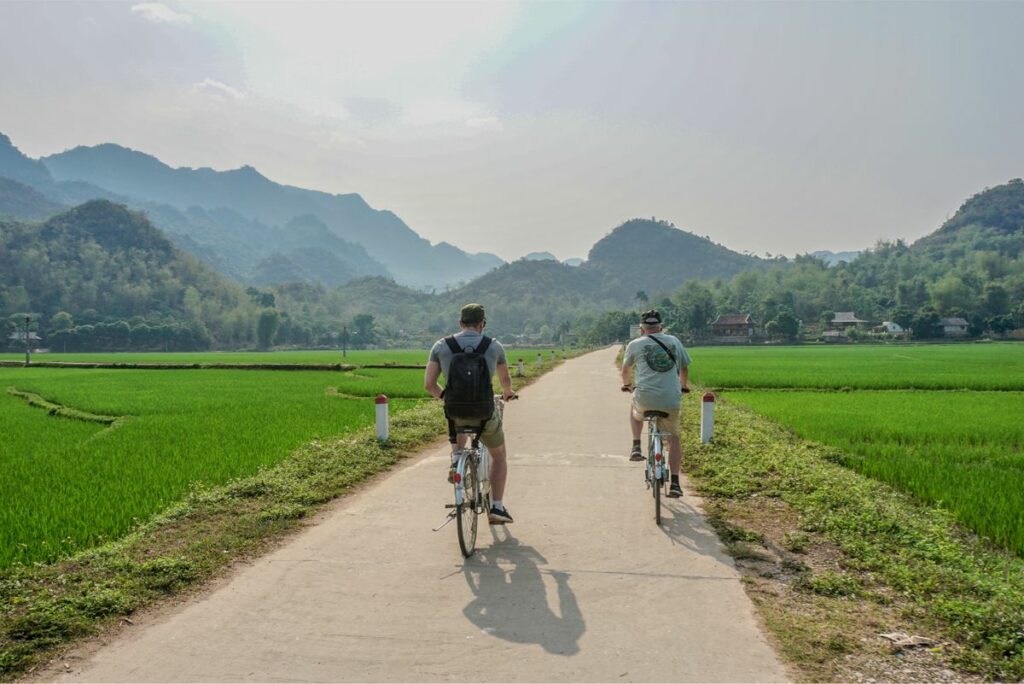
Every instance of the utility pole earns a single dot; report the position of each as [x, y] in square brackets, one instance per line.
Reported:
[344, 342]
[28, 342]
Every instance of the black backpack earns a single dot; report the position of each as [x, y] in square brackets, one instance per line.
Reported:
[468, 393]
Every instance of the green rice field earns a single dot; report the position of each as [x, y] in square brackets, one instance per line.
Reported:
[958, 450]
[941, 422]
[983, 366]
[69, 484]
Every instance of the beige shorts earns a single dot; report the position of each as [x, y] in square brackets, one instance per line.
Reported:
[493, 435]
[668, 426]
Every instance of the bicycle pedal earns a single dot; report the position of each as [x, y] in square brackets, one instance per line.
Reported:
[450, 505]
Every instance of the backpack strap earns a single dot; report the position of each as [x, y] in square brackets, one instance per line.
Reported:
[453, 344]
[667, 350]
[485, 343]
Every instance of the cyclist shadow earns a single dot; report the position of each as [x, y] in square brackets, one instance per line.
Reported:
[681, 523]
[511, 599]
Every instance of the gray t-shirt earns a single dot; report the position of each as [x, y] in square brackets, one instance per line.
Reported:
[494, 355]
[657, 377]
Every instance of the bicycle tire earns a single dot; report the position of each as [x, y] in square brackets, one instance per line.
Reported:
[657, 502]
[467, 512]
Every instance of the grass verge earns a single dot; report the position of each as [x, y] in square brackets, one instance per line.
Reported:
[834, 559]
[46, 607]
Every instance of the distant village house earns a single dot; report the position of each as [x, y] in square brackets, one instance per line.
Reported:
[843, 320]
[733, 328]
[953, 327]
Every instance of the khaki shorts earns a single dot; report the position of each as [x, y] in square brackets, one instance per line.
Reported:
[493, 435]
[668, 426]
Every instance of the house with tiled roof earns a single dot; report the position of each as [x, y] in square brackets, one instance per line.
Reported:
[953, 327]
[844, 320]
[733, 328]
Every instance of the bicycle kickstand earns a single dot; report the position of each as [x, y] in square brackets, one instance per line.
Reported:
[448, 519]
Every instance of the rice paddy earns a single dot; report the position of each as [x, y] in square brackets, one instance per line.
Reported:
[958, 450]
[983, 366]
[70, 484]
[893, 414]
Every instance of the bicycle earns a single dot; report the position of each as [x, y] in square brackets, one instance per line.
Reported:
[656, 469]
[656, 472]
[472, 486]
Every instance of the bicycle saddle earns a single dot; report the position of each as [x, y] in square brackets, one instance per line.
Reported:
[655, 414]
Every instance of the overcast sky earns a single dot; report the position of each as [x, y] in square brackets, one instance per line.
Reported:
[512, 127]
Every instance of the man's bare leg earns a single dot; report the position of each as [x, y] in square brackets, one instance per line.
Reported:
[499, 472]
[675, 454]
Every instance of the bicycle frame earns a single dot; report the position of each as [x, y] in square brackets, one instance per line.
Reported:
[657, 467]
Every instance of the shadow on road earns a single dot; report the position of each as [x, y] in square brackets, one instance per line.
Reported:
[678, 523]
[511, 598]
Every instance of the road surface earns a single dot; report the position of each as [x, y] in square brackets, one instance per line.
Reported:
[583, 587]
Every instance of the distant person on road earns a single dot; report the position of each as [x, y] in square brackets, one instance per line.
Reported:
[661, 363]
[460, 411]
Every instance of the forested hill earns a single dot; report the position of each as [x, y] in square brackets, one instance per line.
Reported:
[101, 276]
[656, 257]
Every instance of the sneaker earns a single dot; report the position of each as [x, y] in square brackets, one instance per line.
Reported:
[636, 454]
[675, 491]
[499, 516]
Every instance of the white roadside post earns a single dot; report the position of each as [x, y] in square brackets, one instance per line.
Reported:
[382, 417]
[552, 354]
[707, 417]
[540, 359]
[522, 369]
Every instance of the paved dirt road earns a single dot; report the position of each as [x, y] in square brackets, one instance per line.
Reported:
[583, 587]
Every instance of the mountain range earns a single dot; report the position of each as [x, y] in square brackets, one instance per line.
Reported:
[249, 227]
[258, 232]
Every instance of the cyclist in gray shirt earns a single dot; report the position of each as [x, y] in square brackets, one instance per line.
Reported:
[472, 322]
[661, 364]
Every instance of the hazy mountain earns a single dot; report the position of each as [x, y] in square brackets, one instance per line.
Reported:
[573, 261]
[19, 201]
[833, 258]
[657, 257]
[540, 256]
[15, 165]
[386, 238]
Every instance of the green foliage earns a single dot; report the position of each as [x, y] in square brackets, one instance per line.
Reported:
[102, 266]
[266, 328]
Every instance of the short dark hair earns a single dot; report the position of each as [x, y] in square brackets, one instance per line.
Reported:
[472, 314]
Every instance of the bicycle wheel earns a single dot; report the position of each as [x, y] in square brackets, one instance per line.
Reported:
[467, 512]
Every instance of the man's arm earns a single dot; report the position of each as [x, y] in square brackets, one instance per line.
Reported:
[684, 377]
[627, 373]
[506, 381]
[430, 377]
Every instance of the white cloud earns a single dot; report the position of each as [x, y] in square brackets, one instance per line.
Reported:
[159, 13]
[485, 123]
[209, 86]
